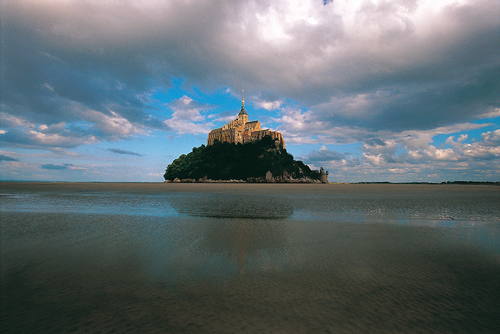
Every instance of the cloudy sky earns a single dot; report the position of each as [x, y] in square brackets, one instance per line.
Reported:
[375, 90]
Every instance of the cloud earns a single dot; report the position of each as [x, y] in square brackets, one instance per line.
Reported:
[363, 63]
[92, 126]
[323, 155]
[417, 147]
[66, 166]
[187, 117]
[491, 138]
[414, 155]
[389, 74]
[56, 167]
[54, 137]
[120, 151]
[268, 105]
[7, 158]
[491, 113]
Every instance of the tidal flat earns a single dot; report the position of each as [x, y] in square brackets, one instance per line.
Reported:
[249, 258]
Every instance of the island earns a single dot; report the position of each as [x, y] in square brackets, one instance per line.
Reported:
[241, 151]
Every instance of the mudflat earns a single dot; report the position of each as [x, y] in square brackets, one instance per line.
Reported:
[249, 258]
[238, 187]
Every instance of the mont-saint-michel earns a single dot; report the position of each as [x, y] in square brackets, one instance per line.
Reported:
[241, 151]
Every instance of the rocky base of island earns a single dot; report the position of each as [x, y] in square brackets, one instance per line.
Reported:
[249, 180]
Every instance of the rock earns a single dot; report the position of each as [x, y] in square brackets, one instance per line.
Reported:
[188, 180]
[269, 177]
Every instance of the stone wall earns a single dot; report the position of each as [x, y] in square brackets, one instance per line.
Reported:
[242, 131]
[257, 135]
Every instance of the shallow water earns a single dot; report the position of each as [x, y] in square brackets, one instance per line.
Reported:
[158, 258]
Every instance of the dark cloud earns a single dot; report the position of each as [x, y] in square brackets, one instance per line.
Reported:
[323, 155]
[51, 76]
[27, 137]
[56, 167]
[120, 151]
[410, 107]
[369, 66]
[375, 142]
[7, 158]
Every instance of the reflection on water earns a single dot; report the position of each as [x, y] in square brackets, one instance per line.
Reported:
[232, 206]
[246, 262]
[426, 207]
[240, 240]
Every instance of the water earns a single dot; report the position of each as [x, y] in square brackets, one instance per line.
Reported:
[208, 258]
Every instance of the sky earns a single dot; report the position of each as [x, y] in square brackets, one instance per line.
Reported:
[371, 90]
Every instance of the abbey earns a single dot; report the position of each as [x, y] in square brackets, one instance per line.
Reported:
[241, 130]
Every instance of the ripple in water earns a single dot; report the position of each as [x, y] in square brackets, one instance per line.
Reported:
[226, 262]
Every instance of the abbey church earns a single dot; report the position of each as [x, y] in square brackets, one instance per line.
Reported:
[241, 130]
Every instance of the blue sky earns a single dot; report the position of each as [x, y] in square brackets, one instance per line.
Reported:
[370, 90]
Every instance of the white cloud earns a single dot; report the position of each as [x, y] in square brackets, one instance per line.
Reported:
[374, 159]
[268, 105]
[112, 124]
[491, 137]
[14, 121]
[187, 117]
[397, 170]
[413, 156]
[54, 139]
[493, 113]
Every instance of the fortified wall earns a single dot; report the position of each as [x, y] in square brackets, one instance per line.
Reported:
[241, 130]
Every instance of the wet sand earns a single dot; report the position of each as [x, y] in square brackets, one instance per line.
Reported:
[155, 187]
[313, 259]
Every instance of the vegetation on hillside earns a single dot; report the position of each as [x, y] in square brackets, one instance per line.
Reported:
[249, 161]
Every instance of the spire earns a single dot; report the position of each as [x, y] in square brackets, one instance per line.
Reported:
[242, 111]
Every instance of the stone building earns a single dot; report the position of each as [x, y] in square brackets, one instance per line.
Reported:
[241, 130]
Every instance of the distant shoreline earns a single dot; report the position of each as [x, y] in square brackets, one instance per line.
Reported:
[445, 182]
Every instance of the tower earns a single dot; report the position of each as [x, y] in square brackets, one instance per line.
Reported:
[323, 175]
[243, 113]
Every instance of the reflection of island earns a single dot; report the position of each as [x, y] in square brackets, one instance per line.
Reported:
[232, 206]
[247, 232]
[243, 239]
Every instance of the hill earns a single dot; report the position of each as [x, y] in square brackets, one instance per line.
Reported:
[259, 161]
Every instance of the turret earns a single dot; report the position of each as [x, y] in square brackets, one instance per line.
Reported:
[323, 175]
[242, 115]
[242, 110]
